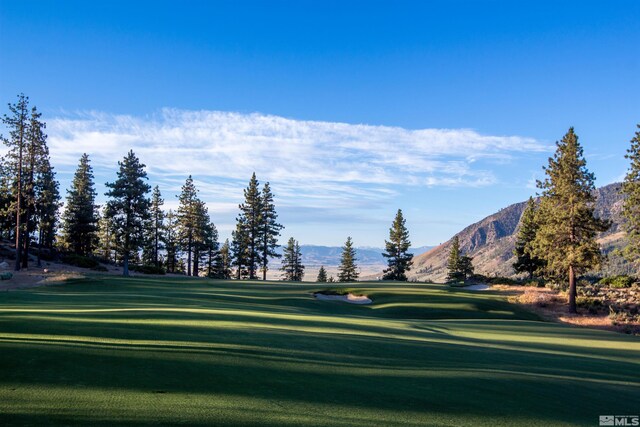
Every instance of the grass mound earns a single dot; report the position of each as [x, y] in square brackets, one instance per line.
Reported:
[159, 351]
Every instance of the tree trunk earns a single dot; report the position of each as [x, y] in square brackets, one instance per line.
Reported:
[25, 241]
[572, 290]
[196, 264]
[125, 264]
[189, 258]
[38, 262]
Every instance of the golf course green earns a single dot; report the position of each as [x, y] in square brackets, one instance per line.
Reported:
[148, 351]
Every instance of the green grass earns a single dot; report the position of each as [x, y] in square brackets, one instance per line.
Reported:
[105, 351]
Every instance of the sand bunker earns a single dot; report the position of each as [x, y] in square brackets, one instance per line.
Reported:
[350, 298]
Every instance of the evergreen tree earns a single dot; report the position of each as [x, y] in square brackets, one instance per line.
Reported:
[171, 242]
[269, 230]
[188, 220]
[211, 249]
[240, 249]
[566, 237]
[348, 270]
[224, 269]
[466, 267]
[155, 230]
[251, 220]
[525, 261]
[129, 207]
[18, 125]
[80, 217]
[293, 270]
[454, 267]
[107, 248]
[47, 203]
[397, 247]
[631, 205]
[322, 275]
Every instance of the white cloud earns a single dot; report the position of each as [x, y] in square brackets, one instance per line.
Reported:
[312, 163]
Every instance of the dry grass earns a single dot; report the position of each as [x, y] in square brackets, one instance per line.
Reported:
[553, 306]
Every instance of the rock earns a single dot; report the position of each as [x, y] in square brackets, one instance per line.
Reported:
[4, 265]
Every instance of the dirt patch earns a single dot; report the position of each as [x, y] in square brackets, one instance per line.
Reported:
[553, 306]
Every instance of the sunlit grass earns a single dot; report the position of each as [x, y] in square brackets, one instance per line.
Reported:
[167, 351]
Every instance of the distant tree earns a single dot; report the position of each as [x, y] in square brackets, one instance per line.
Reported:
[171, 242]
[107, 245]
[17, 123]
[203, 237]
[454, 262]
[466, 267]
[211, 248]
[47, 204]
[348, 270]
[251, 220]
[189, 220]
[240, 249]
[80, 217]
[129, 206]
[566, 237]
[224, 271]
[269, 229]
[525, 261]
[331, 279]
[155, 231]
[293, 270]
[397, 247]
[631, 205]
[322, 275]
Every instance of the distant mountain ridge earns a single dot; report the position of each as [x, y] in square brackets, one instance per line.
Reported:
[316, 255]
[491, 240]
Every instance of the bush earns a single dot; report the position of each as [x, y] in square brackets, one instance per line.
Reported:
[478, 278]
[618, 282]
[6, 275]
[535, 283]
[593, 305]
[148, 269]
[502, 281]
[100, 268]
[80, 261]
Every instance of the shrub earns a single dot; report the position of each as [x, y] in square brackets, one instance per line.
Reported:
[478, 278]
[618, 282]
[593, 305]
[502, 281]
[535, 283]
[80, 261]
[100, 268]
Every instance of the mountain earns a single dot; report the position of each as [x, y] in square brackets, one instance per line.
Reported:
[491, 241]
[313, 255]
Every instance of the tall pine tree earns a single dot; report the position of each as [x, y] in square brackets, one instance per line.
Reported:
[398, 258]
[251, 220]
[240, 249]
[566, 237]
[459, 266]
[129, 207]
[631, 205]
[172, 242]
[224, 271]
[188, 220]
[525, 261]
[348, 270]
[154, 239]
[269, 229]
[80, 217]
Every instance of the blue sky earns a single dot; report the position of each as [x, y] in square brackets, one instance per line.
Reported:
[351, 110]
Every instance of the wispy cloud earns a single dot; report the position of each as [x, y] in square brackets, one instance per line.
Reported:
[312, 162]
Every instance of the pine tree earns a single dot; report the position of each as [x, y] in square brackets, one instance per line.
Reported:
[171, 242]
[129, 207]
[80, 217]
[525, 261]
[188, 220]
[251, 213]
[322, 275]
[154, 230]
[269, 229]
[240, 249]
[293, 270]
[47, 203]
[18, 125]
[211, 249]
[566, 237]
[454, 267]
[397, 247]
[348, 270]
[107, 248]
[224, 268]
[631, 205]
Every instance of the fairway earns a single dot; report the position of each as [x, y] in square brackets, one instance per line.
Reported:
[106, 350]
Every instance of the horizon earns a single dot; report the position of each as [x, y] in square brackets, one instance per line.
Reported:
[348, 121]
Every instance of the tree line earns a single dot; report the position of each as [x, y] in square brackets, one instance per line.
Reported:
[133, 230]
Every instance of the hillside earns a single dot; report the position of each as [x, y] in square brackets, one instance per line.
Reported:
[491, 241]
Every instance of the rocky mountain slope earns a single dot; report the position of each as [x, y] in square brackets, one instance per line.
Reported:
[491, 241]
